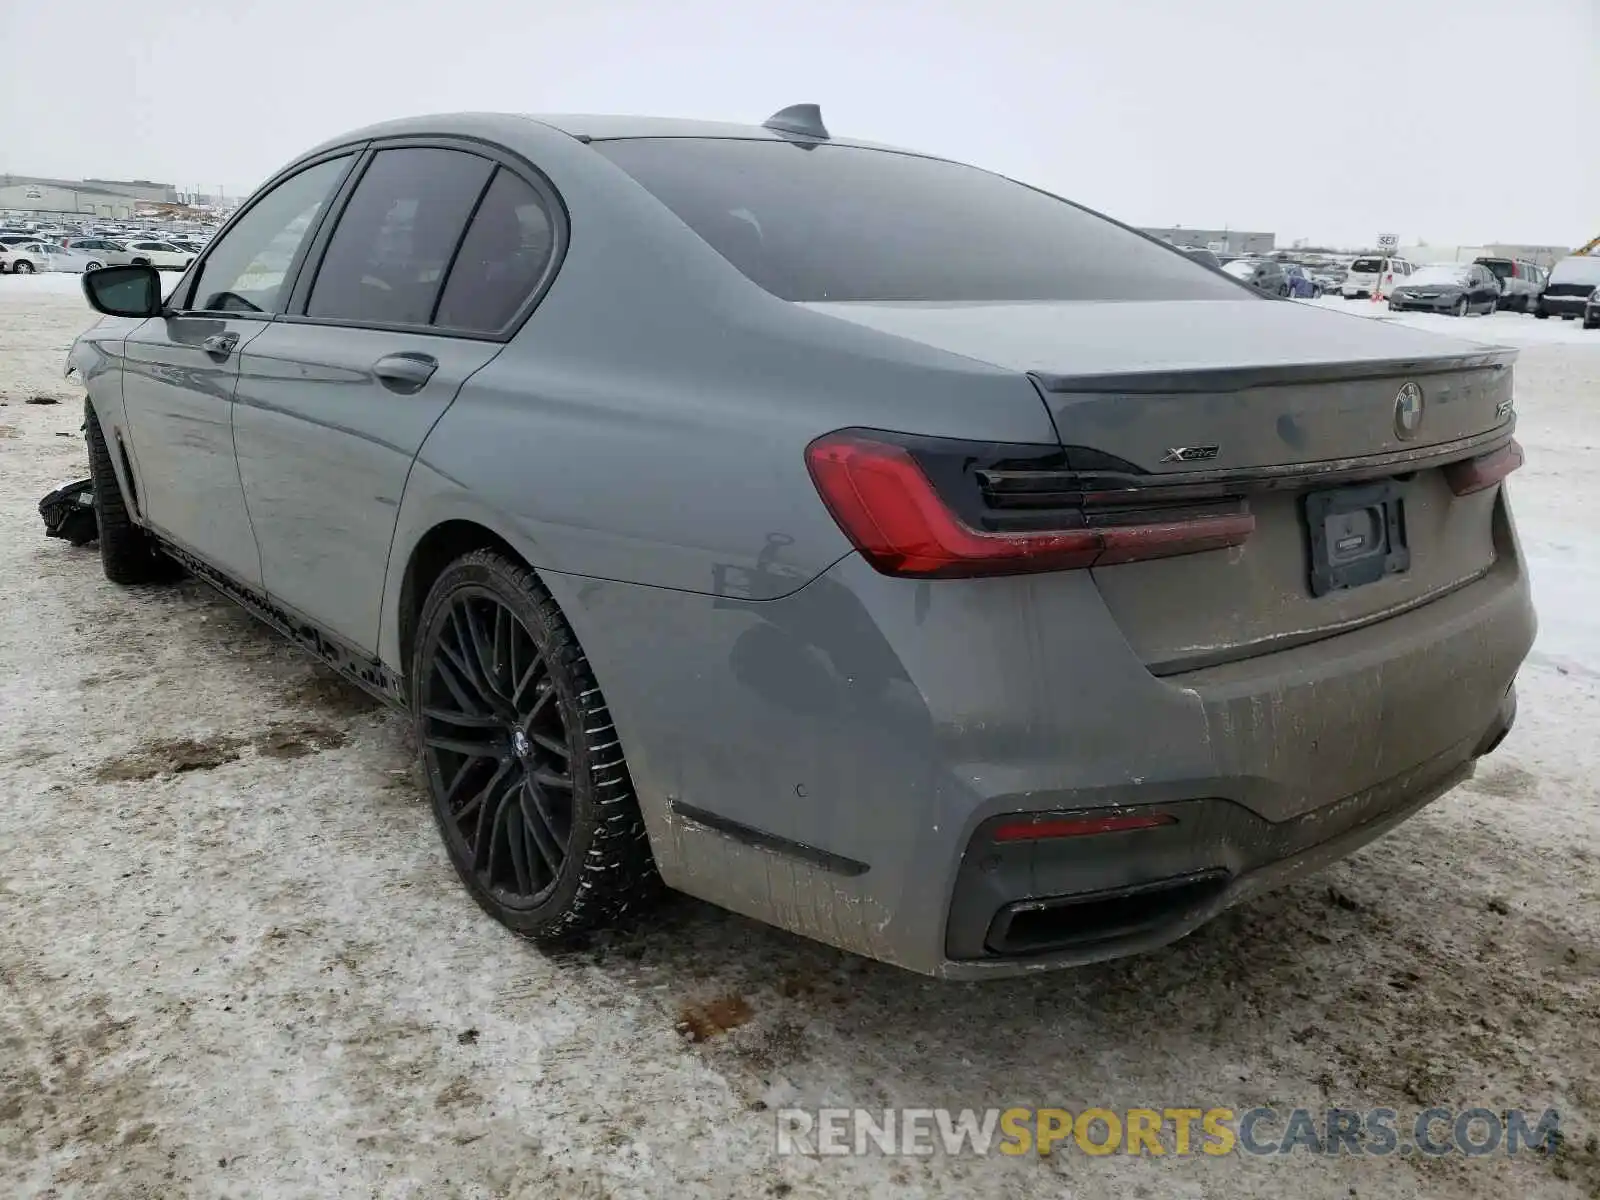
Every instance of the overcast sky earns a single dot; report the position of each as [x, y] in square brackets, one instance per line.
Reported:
[1452, 120]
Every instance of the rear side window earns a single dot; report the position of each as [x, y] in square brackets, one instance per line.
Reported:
[815, 223]
[386, 261]
[247, 267]
[501, 260]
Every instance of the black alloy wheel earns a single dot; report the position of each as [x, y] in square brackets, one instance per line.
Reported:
[529, 787]
[492, 730]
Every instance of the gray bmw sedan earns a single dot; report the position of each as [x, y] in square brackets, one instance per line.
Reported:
[861, 541]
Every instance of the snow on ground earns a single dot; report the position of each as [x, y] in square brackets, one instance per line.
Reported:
[233, 959]
[1501, 328]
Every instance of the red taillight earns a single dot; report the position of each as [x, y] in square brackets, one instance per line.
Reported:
[1485, 471]
[887, 507]
[1039, 829]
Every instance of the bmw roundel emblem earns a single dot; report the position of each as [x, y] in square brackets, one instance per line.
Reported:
[1408, 411]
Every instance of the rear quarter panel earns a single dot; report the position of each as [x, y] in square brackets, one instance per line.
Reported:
[648, 423]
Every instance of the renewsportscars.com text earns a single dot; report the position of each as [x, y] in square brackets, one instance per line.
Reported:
[1154, 1132]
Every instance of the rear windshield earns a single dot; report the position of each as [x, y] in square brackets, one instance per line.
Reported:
[827, 222]
[1367, 266]
[1503, 268]
[1576, 270]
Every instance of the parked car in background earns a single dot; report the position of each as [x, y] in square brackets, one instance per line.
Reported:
[930, 693]
[1566, 293]
[1263, 274]
[1520, 282]
[1329, 278]
[1202, 255]
[71, 258]
[103, 251]
[1373, 275]
[17, 239]
[161, 255]
[1302, 285]
[25, 258]
[1453, 288]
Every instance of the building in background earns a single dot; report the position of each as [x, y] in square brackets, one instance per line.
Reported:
[113, 198]
[1222, 241]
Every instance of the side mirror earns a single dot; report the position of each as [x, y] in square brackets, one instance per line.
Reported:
[124, 291]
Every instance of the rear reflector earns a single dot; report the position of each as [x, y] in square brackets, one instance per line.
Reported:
[1065, 827]
[1476, 474]
[887, 507]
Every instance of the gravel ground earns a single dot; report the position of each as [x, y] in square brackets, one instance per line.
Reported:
[233, 959]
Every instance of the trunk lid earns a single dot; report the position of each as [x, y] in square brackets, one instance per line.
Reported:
[1333, 429]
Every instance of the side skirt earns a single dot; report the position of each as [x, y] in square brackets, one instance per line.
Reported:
[367, 673]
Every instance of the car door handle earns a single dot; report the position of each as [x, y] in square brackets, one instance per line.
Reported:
[405, 372]
[220, 345]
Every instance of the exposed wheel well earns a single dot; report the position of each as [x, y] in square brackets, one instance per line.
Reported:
[439, 547]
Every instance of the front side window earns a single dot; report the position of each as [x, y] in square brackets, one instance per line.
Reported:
[386, 261]
[247, 269]
[836, 223]
[501, 260]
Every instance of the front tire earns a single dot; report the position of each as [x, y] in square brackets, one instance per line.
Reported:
[530, 791]
[1459, 309]
[127, 553]
[22, 267]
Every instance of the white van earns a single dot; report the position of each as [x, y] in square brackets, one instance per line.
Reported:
[1370, 275]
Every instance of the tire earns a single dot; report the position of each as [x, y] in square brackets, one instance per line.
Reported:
[22, 267]
[488, 746]
[139, 262]
[127, 553]
[1540, 314]
[1460, 308]
[1494, 307]
[91, 265]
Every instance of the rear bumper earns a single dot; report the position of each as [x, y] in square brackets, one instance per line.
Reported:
[1063, 903]
[1563, 306]
[831, 762]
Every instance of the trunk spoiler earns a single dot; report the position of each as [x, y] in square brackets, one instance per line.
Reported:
[1235, 379]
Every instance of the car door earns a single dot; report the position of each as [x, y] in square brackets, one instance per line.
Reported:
[1488, 287]
[336, 398]
[182, 369]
